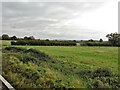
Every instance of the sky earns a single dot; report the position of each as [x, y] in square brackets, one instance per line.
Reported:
[60, 20]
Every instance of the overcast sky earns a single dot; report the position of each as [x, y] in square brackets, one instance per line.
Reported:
[60, 20]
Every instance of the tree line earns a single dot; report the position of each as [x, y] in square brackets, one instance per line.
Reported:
[43, 43]
[113, 40]
[7, 37]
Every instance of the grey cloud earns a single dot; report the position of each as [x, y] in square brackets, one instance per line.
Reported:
[44, 19]
[0, 18]
[49, 9]
[55, 0]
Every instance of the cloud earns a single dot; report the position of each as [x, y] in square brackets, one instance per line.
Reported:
[0, 18]
[54, 20]
[54, 0]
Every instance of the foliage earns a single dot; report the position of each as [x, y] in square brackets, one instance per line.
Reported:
[14, 49]
[37, 53]
[100, 40]
[114, 39]
[5, 37]
[62, 69]
[13, 38]
[27, 68]
[29, 38]
[102, 73]
[100, 78]
[43, 43]
[95, 43]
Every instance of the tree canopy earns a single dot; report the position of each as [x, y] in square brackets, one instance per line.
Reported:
[114, 38]
[5, 37]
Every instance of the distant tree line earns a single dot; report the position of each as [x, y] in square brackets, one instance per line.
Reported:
[7, 37]
[97, 43]
[43, 43]
[113, 40]
[32, 41]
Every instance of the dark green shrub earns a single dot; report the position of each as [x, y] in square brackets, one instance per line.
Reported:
[43, 43]
[86, 72]
[30, 74]
[37, 54]
[100, 78]
[30, 55]
[102, 72]
[27, 58]
[15, 49]
[114, 82]
[96, 83]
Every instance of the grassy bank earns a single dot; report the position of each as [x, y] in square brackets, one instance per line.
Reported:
[66, 67]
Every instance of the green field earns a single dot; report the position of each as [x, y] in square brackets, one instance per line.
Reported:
[82, 57]
[64, 67]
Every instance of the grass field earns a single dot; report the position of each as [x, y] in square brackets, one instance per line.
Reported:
[66, 64]
[83, 57]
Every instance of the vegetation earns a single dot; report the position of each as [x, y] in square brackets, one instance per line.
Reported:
[35, 63]
[60, 67]
[100, 78]
[43, 43]
[30, 68]
[113, 40]
[5, 37]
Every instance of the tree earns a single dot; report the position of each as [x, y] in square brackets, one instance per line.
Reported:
[113, 38]
[100, 40]
[13, 38]
[29, 38]
[74, 40]
[5, 37]
[47, 40]
[91, 40]
[25, 38]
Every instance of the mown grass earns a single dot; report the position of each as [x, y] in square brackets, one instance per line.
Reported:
[63, 69]
[83, 57]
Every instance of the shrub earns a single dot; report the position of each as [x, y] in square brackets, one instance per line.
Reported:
[85, 73]
[27, 59]
[98, 84]
[15, 49]
[43, 43]
[37, 54]
[102, 72]
[100, 78]
[30, 55]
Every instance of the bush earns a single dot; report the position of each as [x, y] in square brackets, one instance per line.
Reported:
[15, 49]
[98, 84]
[100, 72]
[43, 43]
[30, 55]
[27, 59]
[37, 54]
[85, 73]
[100, 78]
[98, 43]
